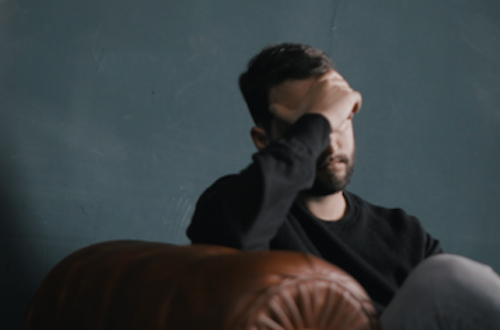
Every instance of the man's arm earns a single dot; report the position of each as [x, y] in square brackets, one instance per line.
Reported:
[245, 211]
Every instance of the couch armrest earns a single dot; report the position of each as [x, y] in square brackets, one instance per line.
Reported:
[144, 285]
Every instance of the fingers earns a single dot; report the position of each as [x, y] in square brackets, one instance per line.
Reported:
[335, 82]
[333, 76]
[283, 113]
[331, 80]
[359, 102]
[330, 95]
[330, 74]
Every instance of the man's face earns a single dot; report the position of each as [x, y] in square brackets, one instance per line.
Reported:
[335, 165]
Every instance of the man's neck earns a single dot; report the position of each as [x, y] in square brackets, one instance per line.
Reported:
[328, 208]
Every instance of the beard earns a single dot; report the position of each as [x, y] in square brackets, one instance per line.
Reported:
[328, 181]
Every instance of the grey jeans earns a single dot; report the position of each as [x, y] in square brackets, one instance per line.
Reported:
[446, 292]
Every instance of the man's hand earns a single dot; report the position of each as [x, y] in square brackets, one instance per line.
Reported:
[330, 95]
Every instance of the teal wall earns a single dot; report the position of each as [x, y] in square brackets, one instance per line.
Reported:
[116, 114]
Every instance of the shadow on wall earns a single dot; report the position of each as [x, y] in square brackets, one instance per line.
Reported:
[20, 260]
[20, 256]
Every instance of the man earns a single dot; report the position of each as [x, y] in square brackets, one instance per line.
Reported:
[292, 196]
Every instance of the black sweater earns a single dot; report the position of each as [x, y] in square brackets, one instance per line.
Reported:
[256, 210]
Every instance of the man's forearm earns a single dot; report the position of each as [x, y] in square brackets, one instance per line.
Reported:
[246, 210]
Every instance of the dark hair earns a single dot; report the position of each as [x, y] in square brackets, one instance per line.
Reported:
[274, 65]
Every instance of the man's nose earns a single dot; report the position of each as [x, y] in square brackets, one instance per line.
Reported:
[333, 146]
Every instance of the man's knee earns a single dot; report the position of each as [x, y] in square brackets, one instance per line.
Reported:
[446, 289]
[444, 274]
[450, 263]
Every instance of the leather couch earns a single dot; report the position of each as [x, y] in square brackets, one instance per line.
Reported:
[144, 285]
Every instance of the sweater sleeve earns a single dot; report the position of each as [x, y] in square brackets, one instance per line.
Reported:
[245, 211]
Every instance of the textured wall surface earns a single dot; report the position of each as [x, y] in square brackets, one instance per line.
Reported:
[116, 114]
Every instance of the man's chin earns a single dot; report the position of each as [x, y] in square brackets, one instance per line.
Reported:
[322, 188]
[330, 182]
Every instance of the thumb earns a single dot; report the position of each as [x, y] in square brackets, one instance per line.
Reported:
[283, 113]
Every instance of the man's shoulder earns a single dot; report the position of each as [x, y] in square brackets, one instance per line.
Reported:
[393, 216]
[225, 179]
[396, 226]
[219, 184]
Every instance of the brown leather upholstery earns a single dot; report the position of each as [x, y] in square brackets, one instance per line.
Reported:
[142, 285]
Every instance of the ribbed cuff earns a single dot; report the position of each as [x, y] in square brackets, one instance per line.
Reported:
[313, 130]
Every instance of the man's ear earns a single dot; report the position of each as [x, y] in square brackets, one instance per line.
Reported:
[259, 137]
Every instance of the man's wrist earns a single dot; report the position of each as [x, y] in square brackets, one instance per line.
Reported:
[313, 130]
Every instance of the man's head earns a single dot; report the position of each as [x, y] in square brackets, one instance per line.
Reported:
[274, 65]
[283, 74]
